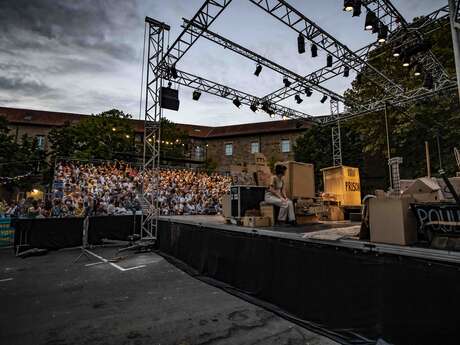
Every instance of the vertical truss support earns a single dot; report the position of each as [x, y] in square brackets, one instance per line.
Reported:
[454, 12]
[152, 130]
[336, 138]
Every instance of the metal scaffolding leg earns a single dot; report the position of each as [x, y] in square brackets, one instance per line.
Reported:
[152, 131]
[336, 138]
[454, 9]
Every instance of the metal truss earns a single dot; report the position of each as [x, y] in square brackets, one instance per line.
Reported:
[152, 130]
[336, 137]
[386, 12]
[454, 6]
[290, 16]
[428, 24]
[379, 105]
[216, 89]
[300, 81]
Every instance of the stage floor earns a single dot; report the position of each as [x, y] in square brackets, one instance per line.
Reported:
[340, 234]
[138, 299]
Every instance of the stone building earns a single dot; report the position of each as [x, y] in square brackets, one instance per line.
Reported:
[222, 146]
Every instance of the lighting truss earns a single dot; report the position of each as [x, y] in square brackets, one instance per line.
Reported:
[152, 129]
[226, 43]
[454, 6]
[336, 137]
[425, 25]
[291, 17]
[216, 89]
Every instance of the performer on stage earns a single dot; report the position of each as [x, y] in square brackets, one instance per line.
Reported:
[275, 195]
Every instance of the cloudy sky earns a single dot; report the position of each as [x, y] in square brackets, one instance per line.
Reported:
[85, 56]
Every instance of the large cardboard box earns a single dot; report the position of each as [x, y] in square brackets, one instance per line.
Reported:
[391, 221]
[268, 211]
[299, 180]
[424, 190]
[343, 183]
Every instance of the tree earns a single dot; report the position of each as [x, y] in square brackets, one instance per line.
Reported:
[364, 141]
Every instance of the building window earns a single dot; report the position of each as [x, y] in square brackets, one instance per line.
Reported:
[40, 142]
[255, 147]
[229, 149]
[199, 153]
[285, 145]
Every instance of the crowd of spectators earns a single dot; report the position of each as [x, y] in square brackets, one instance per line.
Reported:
[115, 189]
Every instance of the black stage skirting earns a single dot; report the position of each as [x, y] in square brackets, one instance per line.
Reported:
[57, 233]
[354, 294]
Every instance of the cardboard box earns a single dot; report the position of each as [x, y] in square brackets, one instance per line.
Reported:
[343, 182]
[254, 222]
[226, 206]
[335, 213]
[299, 180]
[424, 190]
[268, 211]
[306, 219]
[391, 221]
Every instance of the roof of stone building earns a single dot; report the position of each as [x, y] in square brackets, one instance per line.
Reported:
[58, 119]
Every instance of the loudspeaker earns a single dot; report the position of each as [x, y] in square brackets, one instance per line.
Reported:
[169, 98]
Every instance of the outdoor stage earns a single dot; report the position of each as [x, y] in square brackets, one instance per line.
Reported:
[324, 278]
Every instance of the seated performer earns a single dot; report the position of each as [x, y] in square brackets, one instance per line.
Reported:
[275, 195]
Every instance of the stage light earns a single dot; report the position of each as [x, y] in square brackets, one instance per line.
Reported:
[428, 82]
[174, 72]
[314, 50]
[298, 99]
[258, 70]
[196, 95]
[301, 44]
[371, 21]
[357, 8]
[308, 91]
[324, 99]
[383, 33]
[272, 115]
[397, 52]
[329, 61]
[418, 71]
[237, 102]
[286, 82]
[346, 71]
[253, 107]
[348, 5]
[406, 61]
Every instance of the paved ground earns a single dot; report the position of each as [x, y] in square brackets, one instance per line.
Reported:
[49, 300]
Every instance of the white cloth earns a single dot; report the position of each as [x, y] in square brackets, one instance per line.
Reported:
[286, 207]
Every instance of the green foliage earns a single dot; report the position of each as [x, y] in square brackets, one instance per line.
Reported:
[364, 142]
[18, 158]
[108, 135]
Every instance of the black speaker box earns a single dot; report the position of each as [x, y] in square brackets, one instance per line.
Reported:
[169, 98]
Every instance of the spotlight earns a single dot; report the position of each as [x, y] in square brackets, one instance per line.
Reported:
[286, 82]
[428, 82]
[314, 50]
[406, 61]
[324, 99]
[371, 21]
[308, 91]
[357, 8]
[359, 78]
[348, 5]
[301, 44]
[258, 70]
[329, 60]
[196, 95]
[383, 33]
[272, 115]
[253, 107]
[375, 28]
[298, 99]
[418, 70]
[237, 102]
[397, 52]
[174, 72]
[346, 71]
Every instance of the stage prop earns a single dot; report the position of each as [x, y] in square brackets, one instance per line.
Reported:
[348, 294]
[299, 180]
[342, 183]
